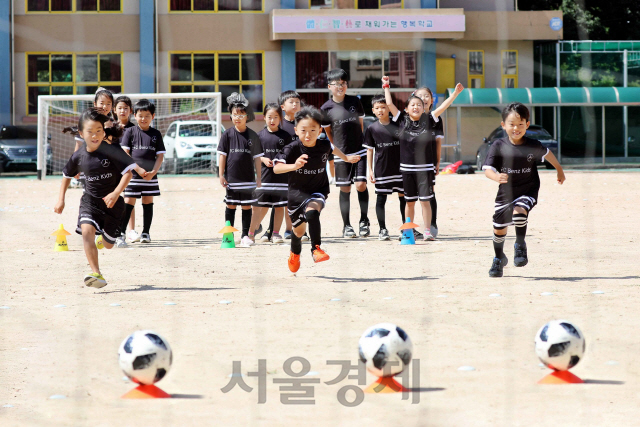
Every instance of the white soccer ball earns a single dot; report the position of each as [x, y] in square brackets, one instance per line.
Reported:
[145, 357]
[560, 345]
[385, 349]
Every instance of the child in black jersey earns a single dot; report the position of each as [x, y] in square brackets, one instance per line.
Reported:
[240, 150]
[123, 108]
[273, 193]
[107, 170]
[145, 145]
[512, 162]
[344, 124]
[305, 160]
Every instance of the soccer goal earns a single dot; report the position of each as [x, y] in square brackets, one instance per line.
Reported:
[190, 124]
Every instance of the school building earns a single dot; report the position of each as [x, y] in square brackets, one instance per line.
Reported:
[261, 47]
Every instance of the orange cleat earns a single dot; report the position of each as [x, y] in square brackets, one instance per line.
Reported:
[319, 255]
[294, 262]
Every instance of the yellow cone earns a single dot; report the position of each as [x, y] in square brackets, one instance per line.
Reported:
[61, 239]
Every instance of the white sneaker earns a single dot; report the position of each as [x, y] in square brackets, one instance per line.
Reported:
[133, 236]
[277, 238]
[427, 235]
[145, 238]
[120, 242]
[246, 242]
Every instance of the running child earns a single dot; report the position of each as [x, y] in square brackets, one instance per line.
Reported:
[273, 193]
[107, 170]
[383, 138]
[344, 124]
[145, 145]
[305, 159]
[240, 150]
[512, 162]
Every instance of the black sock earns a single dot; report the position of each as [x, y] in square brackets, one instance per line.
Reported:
[498, 244]
[296, 244]
[246, 221]
[270, 229]
[380, 202]
[345, 202]
[520, 221]
[363, 199]
[403, 205]
[230, 215]
[126, 217]
[147, 218]
[313, 219]
[434, 211]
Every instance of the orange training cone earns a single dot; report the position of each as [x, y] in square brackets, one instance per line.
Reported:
[61, 239]
[386, 385]
[146, 392]
[561, 377]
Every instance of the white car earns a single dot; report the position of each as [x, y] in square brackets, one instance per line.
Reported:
[191, 144]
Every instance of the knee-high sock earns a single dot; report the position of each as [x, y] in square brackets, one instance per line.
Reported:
[363, 199]
[345, 205]
[125, 217]
[147, 218]
[273, 214]
[313, 219]
[380, 202]
[230, 215]
[296, 244]
[498, 244]
[520, 221]
[403, 204]
[434, 211]
[246, 221]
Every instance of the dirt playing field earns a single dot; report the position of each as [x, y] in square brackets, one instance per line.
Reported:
[583, 237]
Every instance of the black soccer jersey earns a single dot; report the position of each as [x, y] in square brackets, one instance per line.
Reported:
[438, 129]
[416, 143]
[519, 162]
[289, 127]
[272, 145]
[385, 140]
[344, 119]
[312, 177]
[102, 168]
[143, 146]
[241, 149]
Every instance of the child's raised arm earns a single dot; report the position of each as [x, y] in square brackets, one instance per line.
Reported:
[387, 96]
[447, 102]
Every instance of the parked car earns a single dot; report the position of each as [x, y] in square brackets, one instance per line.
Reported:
[534, 132]
[191, 143]
[19, 149]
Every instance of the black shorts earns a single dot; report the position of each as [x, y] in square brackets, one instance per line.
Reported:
[389, 184]
[417, 185]
[241, 193]
[272, 195]
[139, 187]
[106, 221]
[348, 173]
[503, 216]
[297, 212]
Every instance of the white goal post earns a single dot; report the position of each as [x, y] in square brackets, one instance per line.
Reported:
[195, 120]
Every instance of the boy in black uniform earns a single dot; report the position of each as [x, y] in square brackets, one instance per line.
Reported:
[306, 161]
[344, 122]
[107, 171]
[512, 162]
[145, 145]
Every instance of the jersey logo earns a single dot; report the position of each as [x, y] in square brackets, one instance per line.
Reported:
[530, 158]
[352, 109]
[397, 133]
[249, 143]
[325, 157]
[105, 162]
[153, 139]
[281, 141]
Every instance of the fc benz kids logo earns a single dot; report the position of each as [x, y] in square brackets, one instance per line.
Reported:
[105, 163]
[530, 158]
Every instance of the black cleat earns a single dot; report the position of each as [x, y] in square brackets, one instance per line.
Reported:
[365, 230]
[497, 266]
[520, 257]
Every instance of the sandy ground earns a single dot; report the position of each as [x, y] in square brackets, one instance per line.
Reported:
[582, 238]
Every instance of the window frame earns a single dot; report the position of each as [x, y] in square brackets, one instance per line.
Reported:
[73, 9]
[73, 83]
[509, 76]
[217, 82]
[355, 2]
[216, 9]
[470, 76]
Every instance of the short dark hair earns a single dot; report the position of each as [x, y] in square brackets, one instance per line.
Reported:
[411, 98]
[516, 107]
[94, 115]
[272, 106]
[124, 99]
[144, 105]
[337, 74]
[288, 94]
[240, 103]
[309, 112]
[377, 99]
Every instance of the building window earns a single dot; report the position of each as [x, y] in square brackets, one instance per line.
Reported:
[224, 72]
[509, 68]
[204, 6]
[71, 74]
[74, 6]
[476, 69]
[356, 4]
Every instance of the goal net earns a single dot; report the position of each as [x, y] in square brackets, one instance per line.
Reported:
[190, 124]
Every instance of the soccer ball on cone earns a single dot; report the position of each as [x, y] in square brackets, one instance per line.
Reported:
[145, 357]
[560, 345]
[385, 349]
